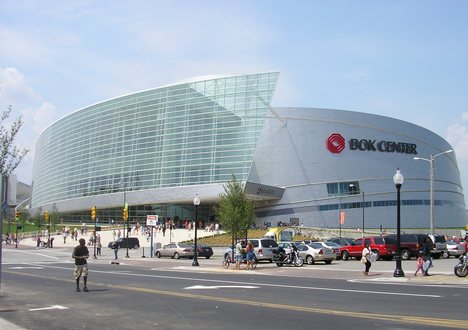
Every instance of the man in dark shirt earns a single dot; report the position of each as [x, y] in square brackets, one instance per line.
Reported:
[80, 254]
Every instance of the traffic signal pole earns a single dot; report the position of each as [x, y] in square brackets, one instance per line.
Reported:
[93, 217]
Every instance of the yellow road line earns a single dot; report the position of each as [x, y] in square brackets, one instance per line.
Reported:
[429, 321]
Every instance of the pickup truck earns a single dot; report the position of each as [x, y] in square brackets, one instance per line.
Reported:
[384, 247]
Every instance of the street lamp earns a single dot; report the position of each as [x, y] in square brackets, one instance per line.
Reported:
[398, 180]
[196, 202]
[431, 189]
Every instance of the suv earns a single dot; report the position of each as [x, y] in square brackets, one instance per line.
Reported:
[440, 245]
[383, 246]
[124, 242]
[412, 244]
[263, 248]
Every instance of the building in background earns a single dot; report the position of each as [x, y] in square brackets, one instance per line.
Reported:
[157, 149]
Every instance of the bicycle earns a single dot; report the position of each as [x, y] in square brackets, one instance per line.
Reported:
[228, 260]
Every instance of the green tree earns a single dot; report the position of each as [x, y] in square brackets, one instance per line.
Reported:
[10, 155]
[235, 211]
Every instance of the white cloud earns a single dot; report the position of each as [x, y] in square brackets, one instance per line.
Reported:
[457, 136]
[13, 87]
[36, 114]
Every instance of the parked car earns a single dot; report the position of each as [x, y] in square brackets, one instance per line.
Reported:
[342, 240]
[124, 242]
[383, 246]
[440, 245]
[288, 246]
[263, 248]
[334, 246]
[175, 251]
[204, 251]
[455, 247]
[410, 245]
[306, 241]
[314, 252]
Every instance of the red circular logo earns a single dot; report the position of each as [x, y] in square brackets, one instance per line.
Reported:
[336, 143]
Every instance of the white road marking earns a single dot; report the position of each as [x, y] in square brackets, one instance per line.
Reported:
[47, 308]
[26, 267]
[266, 284]
[210, 287]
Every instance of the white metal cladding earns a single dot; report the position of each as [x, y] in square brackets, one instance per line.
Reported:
[199, 132]
[294, 155]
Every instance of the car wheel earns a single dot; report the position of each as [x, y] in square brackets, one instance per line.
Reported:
[136, 246]
[176, 256]
[328, 262]
[207, 257]
[310, 260]
[158, 254]
[345, 255]
[279, 264]
[405, 255]
[445, 255]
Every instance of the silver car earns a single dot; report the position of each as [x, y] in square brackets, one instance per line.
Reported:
[263, 248]
[175, 251]
[316, 252]
[455, 247]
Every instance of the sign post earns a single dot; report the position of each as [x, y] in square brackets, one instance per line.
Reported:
[151, 220]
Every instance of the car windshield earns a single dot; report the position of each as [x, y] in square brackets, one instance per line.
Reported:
[315, 245]
[185, 246]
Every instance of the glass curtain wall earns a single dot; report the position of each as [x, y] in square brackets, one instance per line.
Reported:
[192, 133]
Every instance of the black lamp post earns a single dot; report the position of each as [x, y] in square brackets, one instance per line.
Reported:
[196, 202]
[398, 180]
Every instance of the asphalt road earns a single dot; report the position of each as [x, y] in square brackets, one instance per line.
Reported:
[37, 292]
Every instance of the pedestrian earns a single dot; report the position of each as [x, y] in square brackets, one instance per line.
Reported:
[239, 256]
[427, 248]
[164, 229]
[366, 258]
[115, 247]
[80, 254]
[98, 248]
[421, 259]
[250, 255]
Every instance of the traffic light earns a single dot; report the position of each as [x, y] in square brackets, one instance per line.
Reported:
[46, 216]
[125, 214]
[93, 213]
[17, 215]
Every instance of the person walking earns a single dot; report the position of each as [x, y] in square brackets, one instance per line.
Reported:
[427, 248]
[250, 255]
[81, 254]
[115, 247]
[366, 254]
[420, 264]
[239, 256]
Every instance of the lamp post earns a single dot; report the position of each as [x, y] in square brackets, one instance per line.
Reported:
[196, 202]
[398, 180]
[431, 188]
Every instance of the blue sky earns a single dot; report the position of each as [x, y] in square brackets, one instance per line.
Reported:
[402, 59]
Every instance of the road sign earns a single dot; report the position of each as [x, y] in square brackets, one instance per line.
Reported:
[151, 220]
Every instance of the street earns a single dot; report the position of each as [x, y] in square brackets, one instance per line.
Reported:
[139, 293]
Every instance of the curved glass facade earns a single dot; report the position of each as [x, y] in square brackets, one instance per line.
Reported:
[186, 134]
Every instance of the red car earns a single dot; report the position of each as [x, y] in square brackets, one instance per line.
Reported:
[383, 246]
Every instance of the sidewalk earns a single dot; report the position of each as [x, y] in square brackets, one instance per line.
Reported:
[176, 235]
